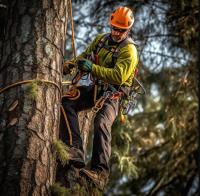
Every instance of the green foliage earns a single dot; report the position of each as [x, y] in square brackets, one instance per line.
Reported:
[182, 18]
[121, 142]
[96, 192]
[121, 151]
[32, 90]
[59, 190]
[62, 151]
[77, 190]
[126, 165]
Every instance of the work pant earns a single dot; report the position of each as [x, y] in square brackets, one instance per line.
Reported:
[102, 126]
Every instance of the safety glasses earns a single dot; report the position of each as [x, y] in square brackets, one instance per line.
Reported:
[118, 30]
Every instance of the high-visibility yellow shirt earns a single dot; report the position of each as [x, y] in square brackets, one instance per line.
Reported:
[122, 72]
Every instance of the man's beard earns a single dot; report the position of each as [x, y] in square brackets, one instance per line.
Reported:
[116, 39]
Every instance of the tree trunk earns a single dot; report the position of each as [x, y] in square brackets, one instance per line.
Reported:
[29, 113]
[85, 123]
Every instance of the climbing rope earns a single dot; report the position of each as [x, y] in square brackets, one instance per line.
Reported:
[66, 82]
[72, 28]
[28, 81]
[73, 93]
[67, 124]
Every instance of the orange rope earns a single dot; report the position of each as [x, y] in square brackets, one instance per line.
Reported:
[72, 94]
[72, 28]
[68, 126]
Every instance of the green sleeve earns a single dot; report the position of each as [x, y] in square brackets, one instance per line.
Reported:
[124, 68]
[91, 47]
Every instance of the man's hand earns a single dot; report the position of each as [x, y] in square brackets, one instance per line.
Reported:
[85, 65]
[68, 67]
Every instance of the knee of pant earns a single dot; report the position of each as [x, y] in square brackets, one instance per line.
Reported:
[100, 123]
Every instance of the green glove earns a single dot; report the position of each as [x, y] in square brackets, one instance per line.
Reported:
[85, 65]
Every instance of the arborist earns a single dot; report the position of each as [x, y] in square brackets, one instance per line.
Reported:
[111, 61]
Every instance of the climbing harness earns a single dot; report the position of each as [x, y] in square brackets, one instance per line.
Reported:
[106, 95]
[128, 102]
[115, 50]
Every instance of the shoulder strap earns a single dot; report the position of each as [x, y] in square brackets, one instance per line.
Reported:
[128, 40]
[115, 51]
[93, 56]
[101, 42]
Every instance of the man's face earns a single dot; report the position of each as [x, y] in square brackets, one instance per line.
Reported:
[118, 34]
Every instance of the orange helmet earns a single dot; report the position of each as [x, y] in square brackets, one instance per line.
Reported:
[122, 18]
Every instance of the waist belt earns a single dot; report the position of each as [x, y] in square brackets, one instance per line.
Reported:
[103, 87]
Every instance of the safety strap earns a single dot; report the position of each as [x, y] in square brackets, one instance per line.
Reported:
[94, 56]
[107, 95]
[101, 43]
[114, 50]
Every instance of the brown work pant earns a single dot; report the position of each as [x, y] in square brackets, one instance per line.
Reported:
[103, 121]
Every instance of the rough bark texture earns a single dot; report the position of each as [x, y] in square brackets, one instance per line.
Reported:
[34, 40]
[85, 123]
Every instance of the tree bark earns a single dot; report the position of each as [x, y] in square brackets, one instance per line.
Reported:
[29, 113]
[85, 124]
